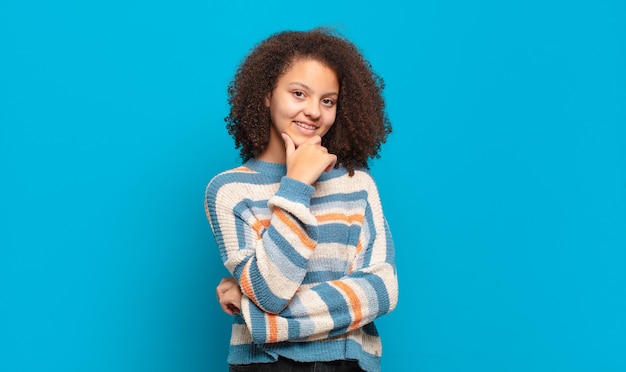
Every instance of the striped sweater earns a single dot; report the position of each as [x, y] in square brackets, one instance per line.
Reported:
[315, 263]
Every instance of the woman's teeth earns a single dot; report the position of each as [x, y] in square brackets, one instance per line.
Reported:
[305, 126]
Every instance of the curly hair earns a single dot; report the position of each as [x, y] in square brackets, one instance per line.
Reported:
[361, 123]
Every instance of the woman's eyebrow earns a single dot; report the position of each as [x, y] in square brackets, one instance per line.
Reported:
[302, 85]
[306, 87]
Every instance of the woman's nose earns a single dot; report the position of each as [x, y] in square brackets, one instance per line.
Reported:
[312, 109]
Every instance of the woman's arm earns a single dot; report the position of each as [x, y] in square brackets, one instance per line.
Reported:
[332, 308]
[369, 291]
[266, 254]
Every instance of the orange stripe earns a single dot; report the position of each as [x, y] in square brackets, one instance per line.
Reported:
[259, 225]
[273, 327]
[295, 228]
[355, 304]
[246, 285]
[340, 217]
[359, 247]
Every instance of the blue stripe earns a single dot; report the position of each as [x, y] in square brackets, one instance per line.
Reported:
[287, 249]
[379, 290]
[342, 199]
[257, 327]
[295, 191]
[293, 327]
[246, 204]
[337, 173]
[337, 305]
[249, 353]
[252, 178]
[314, 277]
[369, 220]
[391, 249]
[337, 233]
[243, 234]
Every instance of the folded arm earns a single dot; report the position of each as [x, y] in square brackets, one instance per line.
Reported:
[336, 307]
[266, 254]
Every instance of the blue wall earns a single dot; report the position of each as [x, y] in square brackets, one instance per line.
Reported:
[504, 180]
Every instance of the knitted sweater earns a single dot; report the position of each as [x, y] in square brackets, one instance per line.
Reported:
[315, 264]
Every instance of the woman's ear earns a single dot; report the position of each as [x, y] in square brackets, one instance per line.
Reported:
[267, 99]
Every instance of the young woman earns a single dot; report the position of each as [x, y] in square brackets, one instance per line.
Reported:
[300, 225]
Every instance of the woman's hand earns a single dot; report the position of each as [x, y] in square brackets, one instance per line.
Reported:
[229, 296]
[309, 160]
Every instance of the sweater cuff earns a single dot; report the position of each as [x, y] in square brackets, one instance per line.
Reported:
[295, 191]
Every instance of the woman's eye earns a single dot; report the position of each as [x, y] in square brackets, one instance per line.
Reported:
[328, 102]
[298, 93]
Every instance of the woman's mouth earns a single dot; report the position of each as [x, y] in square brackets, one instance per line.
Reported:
[305, 125]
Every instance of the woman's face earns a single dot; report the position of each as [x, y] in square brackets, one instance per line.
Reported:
[303, 104]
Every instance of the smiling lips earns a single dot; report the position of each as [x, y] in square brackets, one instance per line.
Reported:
[305, 126]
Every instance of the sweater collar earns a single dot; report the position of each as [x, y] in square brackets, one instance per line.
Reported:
[267, 168]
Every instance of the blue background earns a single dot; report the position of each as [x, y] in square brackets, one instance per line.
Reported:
[504, 180]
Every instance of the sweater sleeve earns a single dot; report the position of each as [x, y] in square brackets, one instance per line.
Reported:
[333, 308]
[268, 256]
